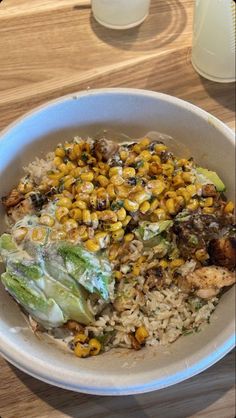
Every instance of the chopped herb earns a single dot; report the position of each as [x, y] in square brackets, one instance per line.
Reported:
[84, 157]
[139, 164]
[117, 205]
[193, 240]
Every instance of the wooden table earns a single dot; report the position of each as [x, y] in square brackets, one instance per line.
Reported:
[52, 47]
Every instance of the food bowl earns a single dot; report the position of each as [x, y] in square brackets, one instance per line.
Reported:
[134, 112]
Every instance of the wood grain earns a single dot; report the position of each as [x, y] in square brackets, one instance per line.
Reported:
[49, 48]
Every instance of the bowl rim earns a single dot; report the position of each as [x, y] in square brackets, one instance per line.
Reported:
[22, 362]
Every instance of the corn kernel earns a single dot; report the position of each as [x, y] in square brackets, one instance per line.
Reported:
[20, 233]
[208, 202]
[118, 275]
[80, 338]
[136, 270]
[118, 235]
[87, 176]
[137, 148]
[201, 255]
[64, 169]
[103, 239]
[61, 212]
[129, 237]
[39, 234]
[47, 220]
[76, 214]
[167, 169]
[80, 204]
[130, 205]
[60, 152]
[141, 334]
[114, 171]
[144, 143]
[129, 172]
[57, 235]
[176, 263]
[83, 233]
[124, 155]
[122, 191]
[95, 347]
[65, 202]
[154, 205]
[193, 204]
[92, 245]
[94, 220]
[145, 207]
[116, 226]
[126, 220]
[229, 208]
[86, 216]
[178, 181]
[183, 192]
[69, 225]
[170, 206]
[145, 155]
[156, 187]
[113, 251]
[111, 191]
[208, 211]
[81, 350]
[159, 148]
[141, 197]
[144, 168]
[170, 194]
[163, 263]
[188, 177]
[160, 214]
[117, 180]
[86, 187]
[69, 182]
[57, 161]
[108, 216]
[121, 214]
[155, 168]
[103, 181]
[191, 189]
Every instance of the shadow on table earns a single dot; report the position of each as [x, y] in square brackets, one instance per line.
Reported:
[223, 93]
[164, 24]
[179, 401]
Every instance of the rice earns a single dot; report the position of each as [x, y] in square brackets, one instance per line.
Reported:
[38, 169]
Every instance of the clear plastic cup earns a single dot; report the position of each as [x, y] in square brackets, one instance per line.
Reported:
[213, 52]
[120, 14]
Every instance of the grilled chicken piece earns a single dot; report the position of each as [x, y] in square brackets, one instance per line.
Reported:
[105, 149]
[12, 199]
[222, 252]
[208, 281]
[23, 208]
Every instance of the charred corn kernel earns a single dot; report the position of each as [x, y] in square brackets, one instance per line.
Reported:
[126, 220]
[39, 234]
[87, 176]
[176, 263]
[57, 161]
[47, 220]
[183, 192]
[80, 338]
[57, 235]
[76, 214]
[130, 205]
[141, 334]
[183, 162]
[113, 251]
[65, 202]
[118, 275]
[167, 169]
[94, 220]
[141, 197]
[103, 239]
[178, 181]
[117, 180]
[61, 212]
[163, 264]
[95, 347]
[229, 208]
[118, 235]
[191, 189]
[64, 169]
[83, 233]
[114, 171]
[156, 187]
[60, 152]
[81, 350]
[188, 177]
[115, 227]
[160, 148]
[160, 214]
[92, 245]
[208, 211]
[108, 216]
[155, 168]
[137, 148]
[193, 204]
[146, 155]
[103, 181]
[129, 237]
[122, 191]
[170, 206]
[124, 155]
[144, 207]
[141, 259]
[136, 270]
[87, 187]
[20, 233]
[111, 191]
[80, 204]
[154, 205]
[86, 216]
[144, 143]
[129, 172]
[201, 255]
[121, 214]
[69, 225]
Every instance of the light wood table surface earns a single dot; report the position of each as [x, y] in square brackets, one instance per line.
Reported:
[53, 47]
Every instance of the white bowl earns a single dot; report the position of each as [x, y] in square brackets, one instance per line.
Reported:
[134, 112]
